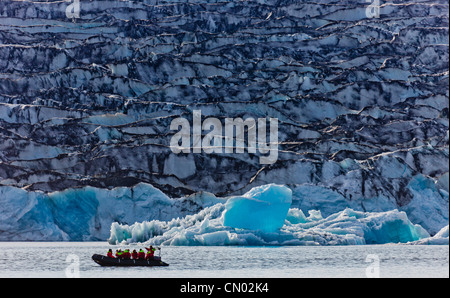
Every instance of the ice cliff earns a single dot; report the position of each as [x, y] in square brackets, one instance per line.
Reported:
[86, 104]
[87, 213]
[265, 215]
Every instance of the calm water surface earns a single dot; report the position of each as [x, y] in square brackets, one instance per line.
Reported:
[67, 259]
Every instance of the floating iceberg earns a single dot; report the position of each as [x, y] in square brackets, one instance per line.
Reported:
[355, 227]
[262, 208]
[441, 238]
[215, 225]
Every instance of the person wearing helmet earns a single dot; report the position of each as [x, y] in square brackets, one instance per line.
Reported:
[109, 253]
[150, 253]
[141, 254]
[126, 254]
[134, 254]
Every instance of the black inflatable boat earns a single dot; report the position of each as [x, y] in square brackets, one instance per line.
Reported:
[107, 261]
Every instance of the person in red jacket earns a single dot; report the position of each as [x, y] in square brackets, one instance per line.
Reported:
[141, 254]
[134, 254]
[110, 254]
[150, 253]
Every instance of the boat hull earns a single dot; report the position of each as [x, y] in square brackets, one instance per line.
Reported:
[107, 261]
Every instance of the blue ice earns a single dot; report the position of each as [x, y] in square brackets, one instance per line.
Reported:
[263, 208]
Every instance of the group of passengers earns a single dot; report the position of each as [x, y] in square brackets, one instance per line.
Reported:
[141, 255]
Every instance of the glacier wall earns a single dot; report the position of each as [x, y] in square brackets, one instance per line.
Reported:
[86, 105]
[89, 101]
[86, 214]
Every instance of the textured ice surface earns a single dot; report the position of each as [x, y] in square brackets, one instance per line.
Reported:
[90, 102]
[86, 106]
[211, 227]
[262, 208]
[441, 238]
[86, 213]
[27, 216]
[347, 227]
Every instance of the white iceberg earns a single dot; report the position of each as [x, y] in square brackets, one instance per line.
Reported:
[441, 238]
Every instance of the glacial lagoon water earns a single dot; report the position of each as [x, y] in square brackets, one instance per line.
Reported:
[73, 259]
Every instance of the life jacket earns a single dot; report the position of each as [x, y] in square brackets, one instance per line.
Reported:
[150, 250]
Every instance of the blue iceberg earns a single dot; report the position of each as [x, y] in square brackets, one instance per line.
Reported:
[262, 208]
